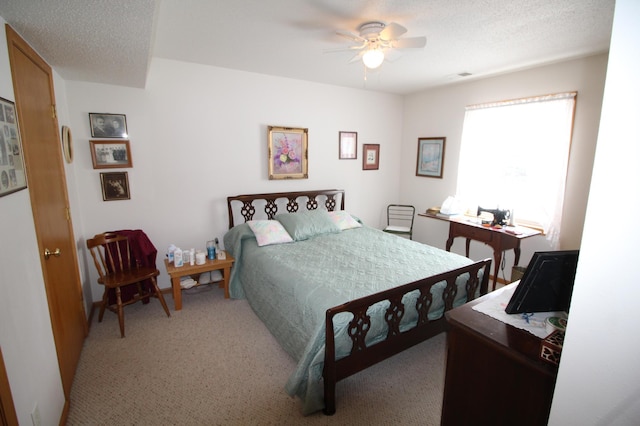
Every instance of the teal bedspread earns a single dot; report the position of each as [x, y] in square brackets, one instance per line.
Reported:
[290, 286]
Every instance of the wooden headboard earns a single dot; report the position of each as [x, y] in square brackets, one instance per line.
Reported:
[333, 199]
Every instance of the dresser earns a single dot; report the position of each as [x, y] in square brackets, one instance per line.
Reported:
[494, 375]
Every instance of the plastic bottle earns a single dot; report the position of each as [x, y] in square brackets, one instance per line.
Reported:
[177, 257]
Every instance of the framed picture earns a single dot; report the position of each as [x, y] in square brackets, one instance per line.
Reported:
[430, 157]
[370, 156]
[107, 154]
[105, 125]
[348, 145]
[115, 186]
[12, 173]
[288, 154]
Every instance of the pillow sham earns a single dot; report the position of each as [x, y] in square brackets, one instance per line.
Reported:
[269, 232]
[304, 225]
[344, 220]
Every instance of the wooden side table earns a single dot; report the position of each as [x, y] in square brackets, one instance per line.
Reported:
[188, 270]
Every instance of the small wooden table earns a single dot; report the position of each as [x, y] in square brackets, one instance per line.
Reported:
[498, 239]
[187, 270]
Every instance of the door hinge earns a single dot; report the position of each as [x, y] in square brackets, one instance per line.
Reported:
[53, 112]
[67, 212]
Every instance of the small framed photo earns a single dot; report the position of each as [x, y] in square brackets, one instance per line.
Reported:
[348, 145]
[12, 172]
[115, 186]
[107, 154]
[430, 157]
[370, 156]
[288, 156]
[104, 125]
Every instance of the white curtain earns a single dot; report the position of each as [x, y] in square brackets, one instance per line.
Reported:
[514, 156]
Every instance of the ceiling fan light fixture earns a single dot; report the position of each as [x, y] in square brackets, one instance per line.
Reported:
[373, 58]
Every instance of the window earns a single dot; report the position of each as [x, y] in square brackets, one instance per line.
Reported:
[514, 155]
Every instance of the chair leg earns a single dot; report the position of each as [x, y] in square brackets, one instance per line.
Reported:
[160, 296]
[103, 305]
[120, 311]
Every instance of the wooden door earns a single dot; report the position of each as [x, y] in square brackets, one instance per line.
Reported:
[8, 416]
[35, 106]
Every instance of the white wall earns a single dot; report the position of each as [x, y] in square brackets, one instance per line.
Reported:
[25, 326]
[199, 134]
[440, 112]
[599, 379]
[196, 122]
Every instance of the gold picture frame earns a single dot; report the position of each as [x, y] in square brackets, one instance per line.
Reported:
[287, 153]
[111, 154]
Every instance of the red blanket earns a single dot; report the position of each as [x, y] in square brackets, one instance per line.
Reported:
[143, 253]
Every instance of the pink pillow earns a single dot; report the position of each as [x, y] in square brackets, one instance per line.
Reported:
[269, 232]
[344, 220]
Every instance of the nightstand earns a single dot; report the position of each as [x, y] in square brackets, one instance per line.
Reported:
[188, 270]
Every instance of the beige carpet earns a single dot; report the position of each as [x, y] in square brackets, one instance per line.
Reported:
[215, 363]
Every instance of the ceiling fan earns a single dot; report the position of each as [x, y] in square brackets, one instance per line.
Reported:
[376, 39]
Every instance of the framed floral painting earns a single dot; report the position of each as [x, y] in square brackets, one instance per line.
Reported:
[288, 155]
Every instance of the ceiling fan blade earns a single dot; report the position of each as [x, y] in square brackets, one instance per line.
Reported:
[350, 36]
[344, 49]
[356, 58]
[392, 55]
[411, 42]
[392, 31]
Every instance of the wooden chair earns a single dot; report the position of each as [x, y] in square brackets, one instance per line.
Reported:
[116, 268]
[400, 219]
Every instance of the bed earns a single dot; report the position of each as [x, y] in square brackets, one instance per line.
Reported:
[338, 295]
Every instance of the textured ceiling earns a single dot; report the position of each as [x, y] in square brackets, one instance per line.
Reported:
[113, 41]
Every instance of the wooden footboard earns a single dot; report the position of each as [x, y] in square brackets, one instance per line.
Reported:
[363, 356]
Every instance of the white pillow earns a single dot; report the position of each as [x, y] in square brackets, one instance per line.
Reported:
[269, 232]
[344, 220]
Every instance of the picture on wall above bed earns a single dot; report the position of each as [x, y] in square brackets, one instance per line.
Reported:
[430, 157]
[348, 149]
[288, 156]
[370, 156]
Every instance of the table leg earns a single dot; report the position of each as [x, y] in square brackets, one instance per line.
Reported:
[497, 255]
[516, 250]
[451, 237]
[177, 293]
[226, 274]
[467, 244]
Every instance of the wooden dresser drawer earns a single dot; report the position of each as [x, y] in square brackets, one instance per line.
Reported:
[466, 231]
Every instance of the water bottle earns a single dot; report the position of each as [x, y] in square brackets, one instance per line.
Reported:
[211, 250]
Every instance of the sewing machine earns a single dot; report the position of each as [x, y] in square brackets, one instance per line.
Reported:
[500, 217]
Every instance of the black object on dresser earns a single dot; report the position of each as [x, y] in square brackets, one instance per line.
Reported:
[494, 373]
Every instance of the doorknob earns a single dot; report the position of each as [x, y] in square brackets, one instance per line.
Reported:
[47, 253]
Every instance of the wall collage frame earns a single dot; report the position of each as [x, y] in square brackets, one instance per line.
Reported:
[12, 173]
